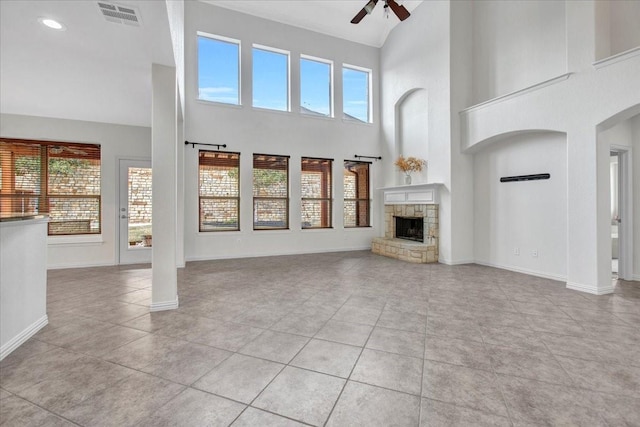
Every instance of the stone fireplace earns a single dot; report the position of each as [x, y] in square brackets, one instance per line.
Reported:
[409, 228]
[411, 225]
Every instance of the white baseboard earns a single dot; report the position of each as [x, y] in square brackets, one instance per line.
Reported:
[590, 289]
[523, 271]
[88, 265]
[458, 262]
[78, 265]
[283, 253]
[23, 336]
[166, 305]
[636, 277]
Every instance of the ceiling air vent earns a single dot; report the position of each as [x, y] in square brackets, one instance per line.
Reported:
[120, 14]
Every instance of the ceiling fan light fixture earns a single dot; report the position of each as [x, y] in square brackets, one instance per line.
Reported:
[400, 11]
[369, 7]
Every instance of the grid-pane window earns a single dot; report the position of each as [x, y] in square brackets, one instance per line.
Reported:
[270, 79]
[356, 94]
[270, 192]
[54, 178]
[218, 69]
[316, 193]
[315, 87]
[357, 202]
[219, 183]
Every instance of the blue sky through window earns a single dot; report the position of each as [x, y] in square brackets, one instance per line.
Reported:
[355, 94]
[270, 80]
[315, 87]
[218, 71]
[219, 80]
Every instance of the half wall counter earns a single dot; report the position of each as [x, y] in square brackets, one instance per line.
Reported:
[23, 279]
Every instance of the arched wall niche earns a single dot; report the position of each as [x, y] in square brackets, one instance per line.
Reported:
[522, 226]
[412, 127]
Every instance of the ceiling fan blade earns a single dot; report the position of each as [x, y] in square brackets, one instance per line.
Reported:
[356, 19]
[364, 12]
[401, 12]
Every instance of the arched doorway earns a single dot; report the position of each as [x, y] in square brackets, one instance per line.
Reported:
[619, 136]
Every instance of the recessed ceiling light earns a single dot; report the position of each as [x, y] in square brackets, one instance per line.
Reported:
[52, 23]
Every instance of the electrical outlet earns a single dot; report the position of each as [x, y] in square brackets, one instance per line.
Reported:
[534, 253]
[516, 251]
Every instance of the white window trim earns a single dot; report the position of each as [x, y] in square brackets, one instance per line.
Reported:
[282, 52]
[217, 232]
[369, 71]
[332, 192]
[371, 201]
[226, 40]
[331, 84]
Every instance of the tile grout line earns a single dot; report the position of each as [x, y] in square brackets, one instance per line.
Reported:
[354, 366]
[498, 384]
[45, 409]
[279, 372]
[424, 358]
[362, 288]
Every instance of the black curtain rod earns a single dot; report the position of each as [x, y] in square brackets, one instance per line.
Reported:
[193, 144]
[367, 157]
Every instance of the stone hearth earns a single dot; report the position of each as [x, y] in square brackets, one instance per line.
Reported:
[406, 250]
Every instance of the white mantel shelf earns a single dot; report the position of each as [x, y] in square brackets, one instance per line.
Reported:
[412, 194]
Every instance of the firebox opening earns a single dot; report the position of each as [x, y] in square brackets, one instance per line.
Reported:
[410, 228]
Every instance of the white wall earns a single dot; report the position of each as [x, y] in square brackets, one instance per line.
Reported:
[416, 56]
[461, 60]
[175, 13]
[248, 130]
[635, 125]
[431, 52]
[577, 106]
[516, 44]
[527, 215]
[116, 141]
[412, 131]
[625, 25]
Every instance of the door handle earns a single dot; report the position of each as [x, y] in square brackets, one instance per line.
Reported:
[124, 217]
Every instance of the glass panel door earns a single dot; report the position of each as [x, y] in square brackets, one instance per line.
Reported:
[135, 212]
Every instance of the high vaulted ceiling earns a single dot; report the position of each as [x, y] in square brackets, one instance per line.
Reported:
[97, 70]
[330, 17]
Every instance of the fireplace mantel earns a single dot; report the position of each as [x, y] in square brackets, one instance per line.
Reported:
[412, 194]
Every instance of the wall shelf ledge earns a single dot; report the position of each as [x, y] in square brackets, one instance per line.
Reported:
[412, 194]
[517, 93]
[622, 56]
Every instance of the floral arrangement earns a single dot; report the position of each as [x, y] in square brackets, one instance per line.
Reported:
[410, 164]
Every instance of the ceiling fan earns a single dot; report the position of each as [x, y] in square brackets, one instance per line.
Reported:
[401, 12]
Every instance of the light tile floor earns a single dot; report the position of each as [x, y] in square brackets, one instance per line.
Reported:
[339, 339]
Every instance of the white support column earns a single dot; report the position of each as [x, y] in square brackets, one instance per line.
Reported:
[180, 260]
[588, 265]
[587, 269]
[164, 289]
